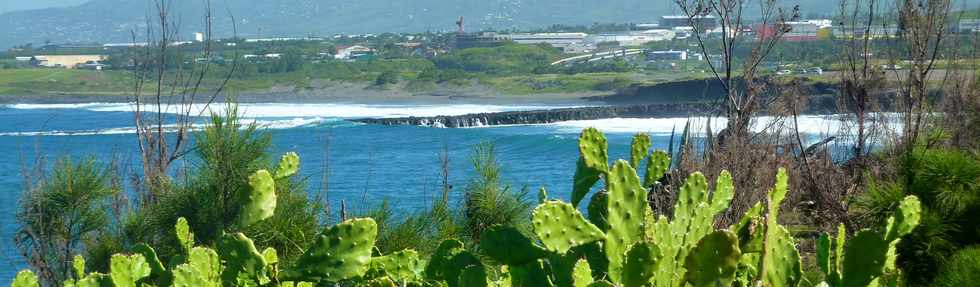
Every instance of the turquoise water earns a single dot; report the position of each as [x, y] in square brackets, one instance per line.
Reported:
[367, 163]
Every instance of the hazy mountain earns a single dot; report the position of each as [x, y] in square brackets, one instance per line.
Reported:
[17, 5]
[112, 20]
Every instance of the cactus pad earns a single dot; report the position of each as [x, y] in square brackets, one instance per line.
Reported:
[639, 149]
[714, 260]
[781, 263]
[203, 268]
[507, 245]
[184, 235]
[243, 262]
[724, 192]
[261, 201]
[657, 165]
[905, 219]
[402, 266]
[864, 259]
[641, 264]
[126, 270]
[560, 226]
[581, 274]
[288, 165]
[341, 252]
[593, 162]
[598, 210]
[530, 274]
[627, 206]
[25, 278]
[440, 259]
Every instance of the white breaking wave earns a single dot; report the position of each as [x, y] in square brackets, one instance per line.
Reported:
[263, 110]
[810, 124]
[269, 124]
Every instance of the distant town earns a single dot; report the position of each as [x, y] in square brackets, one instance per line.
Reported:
[627, 53]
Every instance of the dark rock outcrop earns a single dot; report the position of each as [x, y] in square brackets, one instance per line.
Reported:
[548, 116]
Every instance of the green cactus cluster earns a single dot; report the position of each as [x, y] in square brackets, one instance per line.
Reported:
[620, 242]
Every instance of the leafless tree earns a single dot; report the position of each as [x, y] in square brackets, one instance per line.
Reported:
[860, 80]
[165, 109]
[739, 83]
[922, 29]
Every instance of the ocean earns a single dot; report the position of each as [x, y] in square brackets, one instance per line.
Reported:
[365, 164]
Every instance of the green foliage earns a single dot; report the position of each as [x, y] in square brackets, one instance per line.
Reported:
[503, 60]
[948, 184]
[488, 201]
[637, 249]
[63, 212]
[962, 269]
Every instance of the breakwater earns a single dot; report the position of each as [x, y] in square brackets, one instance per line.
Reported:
[548, 116]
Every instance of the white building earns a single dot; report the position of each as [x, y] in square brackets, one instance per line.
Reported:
[199, 37]
[633, 38]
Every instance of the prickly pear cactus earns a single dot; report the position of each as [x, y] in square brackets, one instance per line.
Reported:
[126, 270]
[440, 261]
[582, 274]
[870, 255]
[657, 165]
[25, 278]
[641, 263]
[288, 165]
[714, 260]
[598, 210]
[592, 164]
[459, 263]
[203, 268]
[560, 227]
[184, 235]
[243, 262]
[530, 274]
[507, 245]
[627, 206]
[781, 265]
[341, 252]
[261, 201]
[639, 149]
[158, 273]
[401, 266]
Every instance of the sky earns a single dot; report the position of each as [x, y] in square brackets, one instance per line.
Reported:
[16, 5]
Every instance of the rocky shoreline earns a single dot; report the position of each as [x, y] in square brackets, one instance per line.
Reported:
[548, 116]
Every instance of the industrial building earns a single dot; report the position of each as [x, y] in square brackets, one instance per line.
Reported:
[629, 39]
[705, 23]
[666, 55]
[799, 31]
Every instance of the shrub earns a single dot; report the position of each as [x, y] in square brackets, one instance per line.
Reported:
[489, 202]
[962, 269]
[62, 215]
